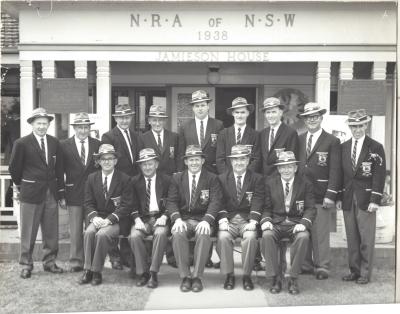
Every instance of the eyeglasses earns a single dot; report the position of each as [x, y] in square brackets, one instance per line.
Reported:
[313, 118]
[106, 159]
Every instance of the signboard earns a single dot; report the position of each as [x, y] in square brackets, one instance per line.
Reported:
[368, 94]
[64, 95]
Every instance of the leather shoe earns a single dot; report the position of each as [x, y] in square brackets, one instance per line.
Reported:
[276, 286]
[229, 282]
[351, 277]
[209, 264]
[307, 272]
[186, 284]
[86, 278]
[321, 275]
[172, 264]
[293, 286]
[153, 281]
[197, 286]
[25, 273]
[258, 267]
[362, 280]
[143, 279]
[116, 265]
[76, 269]
[217, 265]
[247, 283]
[53, 268]
[97, 278]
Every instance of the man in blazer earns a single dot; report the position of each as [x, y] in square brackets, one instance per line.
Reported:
[126, 143]
[276, 137]
[243, 199]
[149, 218]
[194, 199]
[36, 168]
[289, 213]
[238, 133]
[364, 171]
[319, 155]
[78, 164]
[108, 201]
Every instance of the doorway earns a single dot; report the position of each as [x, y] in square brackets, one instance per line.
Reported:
[223, 100]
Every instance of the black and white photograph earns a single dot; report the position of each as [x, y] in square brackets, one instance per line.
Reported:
[198, 155]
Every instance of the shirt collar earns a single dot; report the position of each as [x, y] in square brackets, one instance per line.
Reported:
[156, 134]
[108, 176]
[241, 128]
[78, 141]
[316, 134]
[38, 138]
[359, 141]
[153, 178]
[290, 182]
[276, 127]
[242, 175]
[191, 175]
[122, 130]
[205, 120]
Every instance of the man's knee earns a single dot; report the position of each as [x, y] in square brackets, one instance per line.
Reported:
[303, 236]
[250, 235]
[224, 236]
[268, 235]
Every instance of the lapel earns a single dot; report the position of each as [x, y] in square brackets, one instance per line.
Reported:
[280, 195]
[231, 137]
[246, 135]
[277, 135]
[346, 155]
[114, 183]
[142, 186]
[35, 144]
[200, 184]
[99, 184]
[320, 140]
[210, 125]
[265, 139]
[159, 188]
[231, 185]
[121, 138]
[185, 186]
[154, 142]
[295, 190]
[166, 139]
[91, 152]
[246, 182]
[193, 131]
[363, 153]
[74, 150]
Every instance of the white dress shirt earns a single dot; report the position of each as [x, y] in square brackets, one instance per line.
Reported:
[205, 121]
[241, 179]
[314, 139]
[109, 178]
[85, 144]
[127, 141]
[190, 175]
[38, 138]
[360, 143]
[161, 136]
[242, 128]
[153, 206]
[288, 197]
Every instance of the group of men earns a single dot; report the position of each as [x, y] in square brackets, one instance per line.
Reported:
[206, 181]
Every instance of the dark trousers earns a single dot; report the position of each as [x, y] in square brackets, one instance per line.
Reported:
[76, 256]
[44, 214]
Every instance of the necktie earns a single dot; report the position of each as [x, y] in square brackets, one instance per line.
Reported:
[148, 192]
[159, 143]
[193, 193]
[354, 155]
[271, 138]
[239, 136]
[238, 187]
[287, 190]
[83, 153]
[129, 138]
[105, 189]
[201, 133]
[308, 151]
[43, 148]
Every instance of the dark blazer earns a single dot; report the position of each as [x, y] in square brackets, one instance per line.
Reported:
[208, 197]
[139, 184]
[285, 137]
[116, 210]
[322, 167]
[75, 172]
[30, 172]
[368, 180]
[302, 207]
[170, 150]
[188, 136]
[124, 164]
[251, 203]
[227, 138]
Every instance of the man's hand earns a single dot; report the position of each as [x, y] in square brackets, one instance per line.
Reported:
[223, 224]
[251, 226]
[339, 204]
[372, 207]
[203, 227]
[328, 203]
[139, 225]
[179, 226]
[267, 226]
[98, 222]
[162, 221]
[106, 222]
[299, 228]
[62, 203]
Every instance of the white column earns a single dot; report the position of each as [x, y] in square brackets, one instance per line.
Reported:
[48, 69]
[81, 69]
[27, 94]
[323, 85]
[103, 95]
[346, 70]
[379, 71]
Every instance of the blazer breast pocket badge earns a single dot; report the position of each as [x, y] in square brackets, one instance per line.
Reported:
[322, 159]
[204, 196]
[300, 206]
[116, 201]
[249, 196]
[366, 168]
[214, 139]
[172, 152]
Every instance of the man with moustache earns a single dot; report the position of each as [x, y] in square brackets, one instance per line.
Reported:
[36, 168]
[194, 199]
[364, 171]
[78, 164]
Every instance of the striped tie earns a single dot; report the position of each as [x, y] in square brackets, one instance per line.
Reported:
[238, 187]
[43, 148]
[354, 155]
[83, 153]
[148, 193]
[287, 189]
[129, 138]
[239, 136]
[271, 138]
[201, 133]
[105, 189]
[193, 193]
[308, 151]
[159, 143]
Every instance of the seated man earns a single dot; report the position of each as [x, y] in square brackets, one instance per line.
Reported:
[243, 204]
[151, 188]
[108, 200]
[288, 213]
[194, 198]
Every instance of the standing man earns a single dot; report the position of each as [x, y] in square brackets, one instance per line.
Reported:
[108, 202]
[238, 134]
[78, 164]
[36, 168]
[150, 218]
[364, 171]
[289, 213]
[243, 199]
[126, 144]
[194, 199]
[319, 154]
[277, 136]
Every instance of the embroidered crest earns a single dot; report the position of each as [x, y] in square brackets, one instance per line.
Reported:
[322, 159]
[300, 206]
[375, 157]
[366, 168]
[171, 152]
[116, 201]
[249, 196]
[204, 196]
[214, 139]
[249, 147]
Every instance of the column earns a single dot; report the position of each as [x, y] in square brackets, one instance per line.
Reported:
[27, 94]
[81, 69]
[103, 95]
[379, 71]
[323, 85]
[48, 69]
[346, 70]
